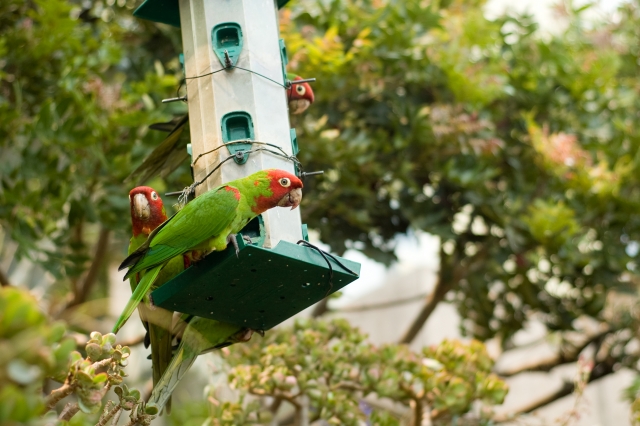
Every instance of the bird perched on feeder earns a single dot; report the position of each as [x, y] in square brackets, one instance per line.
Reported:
[208, 223]
[171, 152]
[202, 335]
[299, 96]
[147, 213]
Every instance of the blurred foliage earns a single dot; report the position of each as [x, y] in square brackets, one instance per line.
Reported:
[34, 349]
[79, 84]
[31, 349]
[632, 394]
[333, 367]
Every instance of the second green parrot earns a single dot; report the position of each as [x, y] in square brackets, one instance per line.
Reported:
[147, 213]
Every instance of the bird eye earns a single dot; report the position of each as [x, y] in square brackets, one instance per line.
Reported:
[154, 196]
[300, 89]
[285, 182]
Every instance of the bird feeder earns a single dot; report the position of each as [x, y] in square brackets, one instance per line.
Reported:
[234, 64]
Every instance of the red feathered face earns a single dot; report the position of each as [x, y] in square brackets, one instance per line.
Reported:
[285, 188]
[300, 96]
[147, 210]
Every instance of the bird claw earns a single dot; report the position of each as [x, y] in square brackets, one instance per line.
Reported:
[247, 239]
[232, 239]
[152, 305]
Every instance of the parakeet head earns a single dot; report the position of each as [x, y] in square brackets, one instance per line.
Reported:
[300, 96]
[276, 188]
[147, 210]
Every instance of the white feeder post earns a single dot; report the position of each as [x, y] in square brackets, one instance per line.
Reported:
[211, 97]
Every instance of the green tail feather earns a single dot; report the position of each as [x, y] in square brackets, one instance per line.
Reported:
[180, 364]
[143, 286]
[201, 335]
[159, 330]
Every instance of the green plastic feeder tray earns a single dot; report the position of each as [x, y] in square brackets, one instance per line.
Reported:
[167, 11]
[259, 289]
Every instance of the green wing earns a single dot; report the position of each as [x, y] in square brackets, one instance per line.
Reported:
[202, 219]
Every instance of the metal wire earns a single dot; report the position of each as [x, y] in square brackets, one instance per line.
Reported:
[240, 68]
[287, 84]
[324, 255]
[186, 192]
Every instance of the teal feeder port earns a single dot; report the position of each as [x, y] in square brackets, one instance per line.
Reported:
[227, 38]
[167, 11]
[294, 142]
[294, 148]
[259, 289]
[237, 126]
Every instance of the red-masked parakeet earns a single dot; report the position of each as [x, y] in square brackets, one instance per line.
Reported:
[299, 96]
[206, 223]
[172, 152]
[147, 213]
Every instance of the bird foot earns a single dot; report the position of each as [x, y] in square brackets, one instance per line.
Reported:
[152, 305]
[232, 239]
[247, 239]
[195, 256]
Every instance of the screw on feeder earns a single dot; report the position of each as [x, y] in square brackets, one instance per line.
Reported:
[227, 59]
[290, 83]
[319, 172]
[181, 98]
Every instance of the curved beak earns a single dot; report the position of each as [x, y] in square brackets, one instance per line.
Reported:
[292, 199]
[141, 207]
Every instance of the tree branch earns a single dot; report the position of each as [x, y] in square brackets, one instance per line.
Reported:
[452, 270]
[58, 395]
[284, 396]
[109, 412]
[4, 280]
[80, 344]
[84, 289]
[321, 308]
[416, 405]
[69, 410]
[437, 296]
[133, 341]
[562, 357]
[600, 370]
[382, 305]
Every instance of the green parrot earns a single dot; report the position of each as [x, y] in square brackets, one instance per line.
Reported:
[201, 336]
[147, 213]
[172, 152]
[207, 224]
